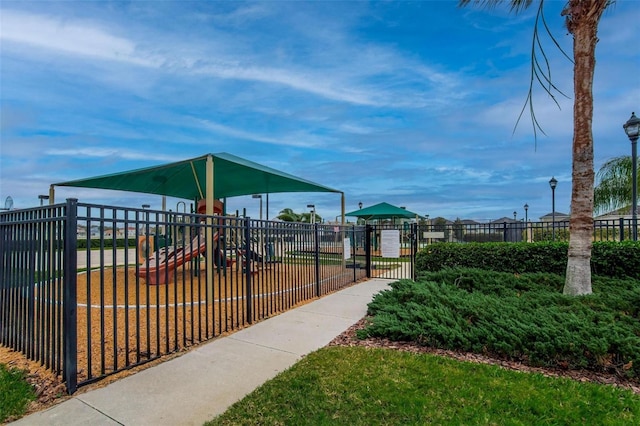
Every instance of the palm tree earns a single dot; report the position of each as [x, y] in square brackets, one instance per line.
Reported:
[614, 190]
[581, 18]
[309, 217]
[288, 215]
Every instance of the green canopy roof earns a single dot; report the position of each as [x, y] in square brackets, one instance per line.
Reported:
[382, 211]
[232, 176]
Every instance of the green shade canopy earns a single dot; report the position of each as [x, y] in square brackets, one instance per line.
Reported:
[382, 211]
[233, 176]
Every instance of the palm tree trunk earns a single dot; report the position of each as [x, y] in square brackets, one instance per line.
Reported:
[582, 21]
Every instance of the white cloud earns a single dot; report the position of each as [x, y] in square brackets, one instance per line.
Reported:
[73, 38]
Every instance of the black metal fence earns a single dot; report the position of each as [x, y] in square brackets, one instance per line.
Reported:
[34, 303]
[516, 231]
[91, 290]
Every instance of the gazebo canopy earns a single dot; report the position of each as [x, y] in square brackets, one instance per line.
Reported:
[382, 211]
[232, 176]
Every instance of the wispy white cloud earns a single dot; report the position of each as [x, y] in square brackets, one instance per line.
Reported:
[342, 82]
[109, 153]
[73, 38]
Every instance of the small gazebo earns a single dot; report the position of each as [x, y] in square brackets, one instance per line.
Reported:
[383, 211]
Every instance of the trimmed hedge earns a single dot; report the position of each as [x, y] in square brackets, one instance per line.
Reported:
[520, 317]
[108, 243]
[608, 258]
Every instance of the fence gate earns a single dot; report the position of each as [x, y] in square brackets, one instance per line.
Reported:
[392, 251]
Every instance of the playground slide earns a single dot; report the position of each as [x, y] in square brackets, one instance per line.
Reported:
[160, 265]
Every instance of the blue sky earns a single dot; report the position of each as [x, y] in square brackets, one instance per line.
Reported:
[411, 103]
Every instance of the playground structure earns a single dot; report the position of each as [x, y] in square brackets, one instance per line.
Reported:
[159, 267]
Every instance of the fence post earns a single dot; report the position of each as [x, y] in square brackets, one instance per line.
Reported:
[317, 257]
[69, 297]
[248, 255]
[367, 248]
[414, 249]
[354, 249]
[621, 229]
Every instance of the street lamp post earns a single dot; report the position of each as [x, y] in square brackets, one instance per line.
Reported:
[42, 198]
[632, 129]
[514, 215]
[526, 221]
[360, 204]
[259, 196]
[553, 183]
[313, 212]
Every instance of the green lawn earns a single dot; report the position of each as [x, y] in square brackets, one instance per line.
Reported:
[15, 393]
[363, 386]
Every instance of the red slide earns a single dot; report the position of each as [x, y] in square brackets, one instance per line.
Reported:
[158, 268]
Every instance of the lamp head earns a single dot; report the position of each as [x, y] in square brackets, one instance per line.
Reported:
[553, 183]
[632, 127]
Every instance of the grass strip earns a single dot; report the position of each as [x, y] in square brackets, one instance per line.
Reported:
[364, 386]
[15, 393]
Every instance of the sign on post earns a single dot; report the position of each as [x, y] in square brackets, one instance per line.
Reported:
[390, 245]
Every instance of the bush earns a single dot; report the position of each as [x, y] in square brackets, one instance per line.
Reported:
[107, 243]
[519, 317]
[608, 258]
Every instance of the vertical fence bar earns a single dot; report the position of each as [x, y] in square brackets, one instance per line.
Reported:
[316, 250]
[70, 326]
[247, 270]
[414, 249]
[367, 248]
[354, 251]
[621, 229]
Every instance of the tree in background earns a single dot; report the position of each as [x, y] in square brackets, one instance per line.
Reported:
[581, 19]
[288, 215]
[458, 230]
[614, 188]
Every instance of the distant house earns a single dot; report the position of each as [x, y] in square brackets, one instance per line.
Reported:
[621, 213]
[560, 217]
[505, 219]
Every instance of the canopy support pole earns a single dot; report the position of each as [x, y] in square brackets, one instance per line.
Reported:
[209, 185]
[52, 195]
[342, 207]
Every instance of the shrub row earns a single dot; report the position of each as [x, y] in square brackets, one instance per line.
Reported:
[518, 317]
[107, 243]
[608, 258]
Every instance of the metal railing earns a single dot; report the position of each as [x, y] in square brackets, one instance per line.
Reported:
[516, 231]
[91, 290]
[32, 287]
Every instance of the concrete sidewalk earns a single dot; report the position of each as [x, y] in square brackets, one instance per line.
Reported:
[197, 386]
